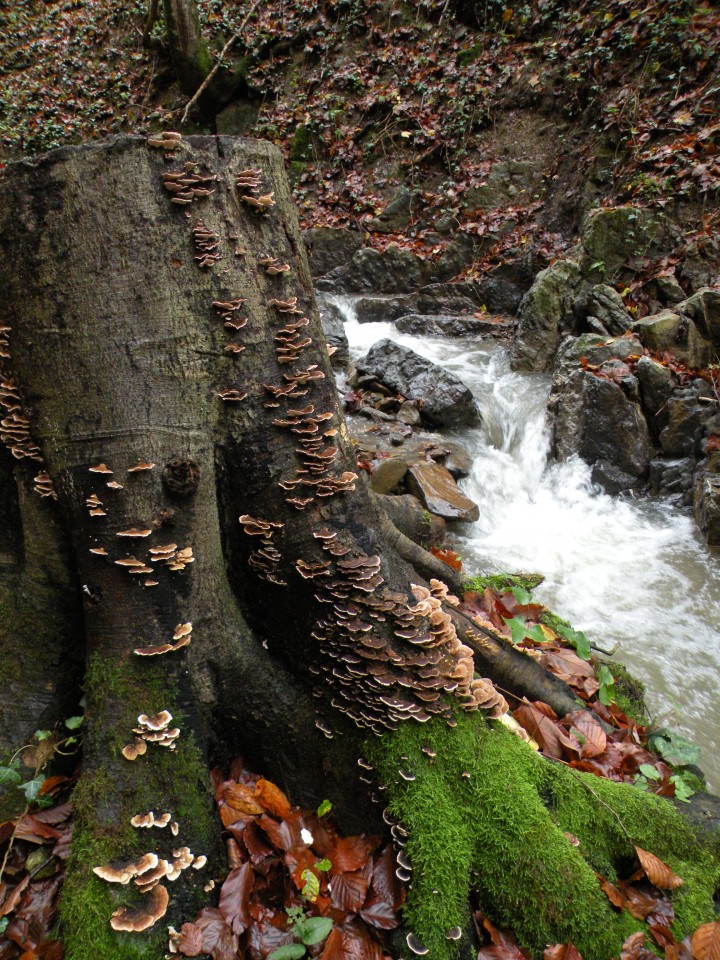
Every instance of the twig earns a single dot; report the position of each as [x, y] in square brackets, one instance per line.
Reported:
[208, 78]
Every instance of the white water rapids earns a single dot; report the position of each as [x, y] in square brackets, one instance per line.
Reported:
[626, 570]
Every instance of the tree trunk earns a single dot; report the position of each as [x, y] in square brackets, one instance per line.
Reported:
[188, 50]
[155, 333]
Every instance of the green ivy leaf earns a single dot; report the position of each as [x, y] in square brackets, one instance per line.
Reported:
[577, 639]
[517, 629]
[31, 789]
[72, 723]
[315, 929]
[8, 776]
[683, 790]
[42, 734]
[674, 748]
[649, 771]
[521, 594]
[325, 807]
[604, 676]
[324, 864]
[291, 951]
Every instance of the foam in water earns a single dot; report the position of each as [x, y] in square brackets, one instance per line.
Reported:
[625, 570]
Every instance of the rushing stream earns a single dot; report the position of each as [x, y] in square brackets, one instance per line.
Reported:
[626, 570]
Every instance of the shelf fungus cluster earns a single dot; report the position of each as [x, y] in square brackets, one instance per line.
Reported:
[386, 659]
[15, 426]
[265, 559]
[188, 184]
[248, 183]
[273, 266]
[168, 140]
[290, 343]
[147, 874]
[151, 730]
[43, 485]
[182, 637]
[206, 244]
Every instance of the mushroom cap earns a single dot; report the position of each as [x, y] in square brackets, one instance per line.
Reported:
[415, 945]
[110, 874]
[143, 820]
[135, 749]
[157, 722]
[144, 915]
[100, 468]
[134, 532]
[140, 466]
[182, 630]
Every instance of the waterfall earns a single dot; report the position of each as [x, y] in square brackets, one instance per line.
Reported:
[620, 569]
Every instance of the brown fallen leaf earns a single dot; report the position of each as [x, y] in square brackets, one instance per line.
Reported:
[706, 942]
[634, 948]
[561, 951]
[272, 798]
[658, 872]
[616, 898]
[191, 940]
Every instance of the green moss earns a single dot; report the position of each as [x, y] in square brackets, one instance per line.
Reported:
[301, 145]
[488, 813]
[629, 693]
[111, 790]
[504, 581]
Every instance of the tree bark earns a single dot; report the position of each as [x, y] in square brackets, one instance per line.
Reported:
[157, 340]
[188, 50]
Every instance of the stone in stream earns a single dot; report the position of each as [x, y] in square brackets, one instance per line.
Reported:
[435, 488]
[605, 304]
[707, 508]
[333, 324]
[545, 316]
[451, 325]
[446, 400]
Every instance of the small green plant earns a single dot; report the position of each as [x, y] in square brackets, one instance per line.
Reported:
[307, 931]
[606, 693]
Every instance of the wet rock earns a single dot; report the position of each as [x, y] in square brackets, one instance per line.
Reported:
[446, 400]
[396, 215]
[503, 288]
[461, 297]
[333, 324]
[330, 247]
[699, 267]
[458, 461]
[612, 479]
[451, 325]
[663, 331]
[381, 309]
[669, 291]
[671, 477]
[436, 489]
[703, 309]
[656, 385]
[687, 418]
[409, 413]
[594, 419]
[388, 474]
[545, 317]
[606, 305]
[707, 508]
[459, 253]
[369, 271]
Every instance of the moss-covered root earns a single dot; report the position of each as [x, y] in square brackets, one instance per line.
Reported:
[112, 790]
[486, 812]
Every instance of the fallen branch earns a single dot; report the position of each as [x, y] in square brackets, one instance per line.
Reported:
[203, 86]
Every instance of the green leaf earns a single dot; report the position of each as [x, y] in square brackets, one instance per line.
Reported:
[604, 676]
[315, 929]
[311, 888]
[683, 790]
[674, 748]
[517, 629]
[325, 807]
[32, 788]
[4, 923]
[72, 723]
[9, 776]
[324, 864]
[648, 770]
[605, 695]
[535, 633]
[521, 594]
[577, 639]
[42, 734]
[291, 951]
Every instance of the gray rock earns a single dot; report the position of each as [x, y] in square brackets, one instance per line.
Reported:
[436, 489]
[237, 120]
[613, 235]
[450, 325]
[446, 400]
[593, 419]
[612, 479]
[703, 308]
[706, 502]
[663, 331]
[656, 384]
[671, 478]
[330, 247]
[687, 417]
[669, 291]
[333, 326]
[595, 326]
[700, 351]
[369, 271]
[503, 288]
[545, 316]
[700, 266]
[606, 305]
[396, 215]
[507, 181]
[409, 413]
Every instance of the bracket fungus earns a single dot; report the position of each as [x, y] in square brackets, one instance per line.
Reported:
[151, 908]
[43, 485]
[273, 266]
[134, 532]
[141, 467]
[231, 395]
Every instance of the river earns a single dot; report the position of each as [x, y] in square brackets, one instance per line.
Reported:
[625, 570]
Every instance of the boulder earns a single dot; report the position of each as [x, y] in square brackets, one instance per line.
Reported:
[611, 236]
[451, 325]
[594, 419]
[663, 331]
[656, 385]
[669, 291]
[703, 308]
[435, 488]
[688, 415]
[369, 271]
[706, 502]
[700, 351]
[508, 182]
[545, 316]
[446, 400]
[502, 289]
[382, 309]
[333, 324]
[388, 474]
[606, 305]
[396, 215]
[329, 248]
[671, 478]
[612, 479]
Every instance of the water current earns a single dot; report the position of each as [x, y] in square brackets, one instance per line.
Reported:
[625, 570]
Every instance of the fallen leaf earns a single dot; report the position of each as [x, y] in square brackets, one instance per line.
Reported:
[272, 798]
[234, 897]
[561, 951]
[658, 872]
[706, 942]
[191, 940]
